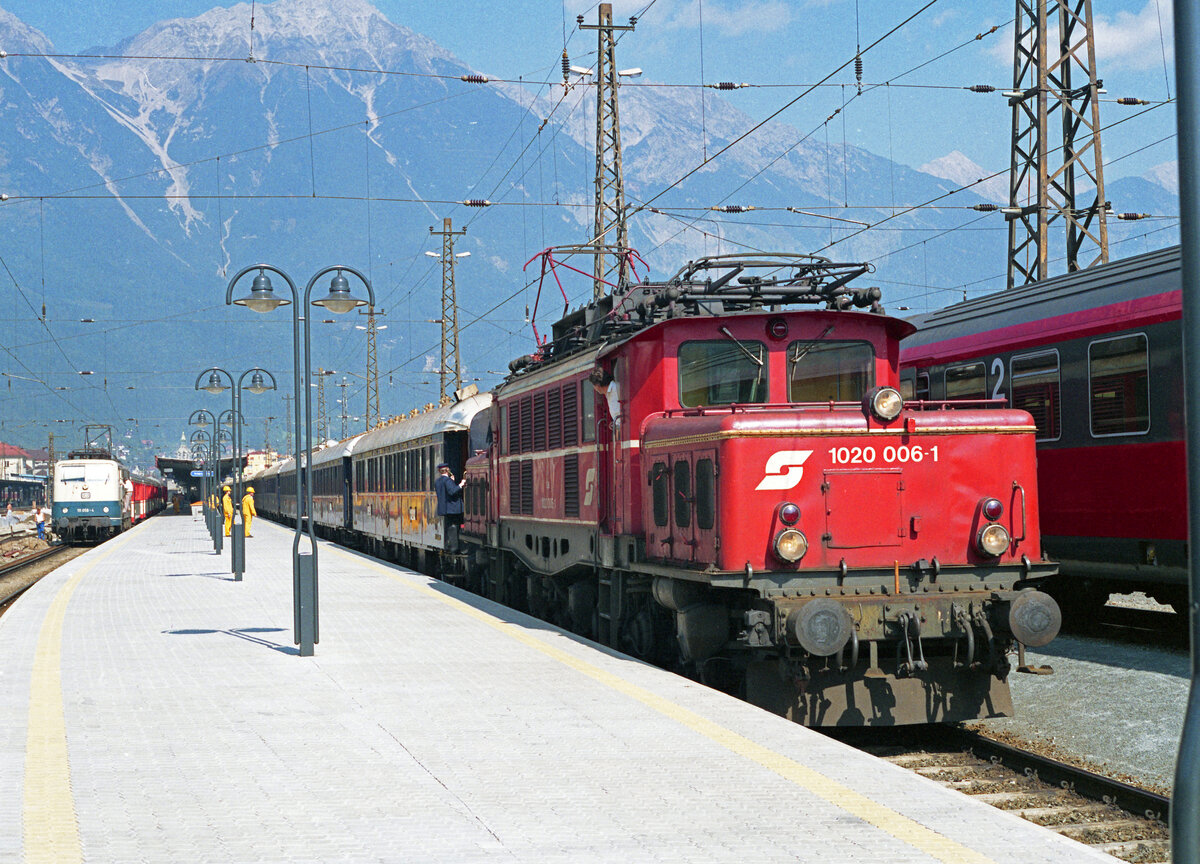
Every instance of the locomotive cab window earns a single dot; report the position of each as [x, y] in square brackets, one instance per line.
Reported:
[829, 371]
[589, 412]
[966, 382]
[1119, 386]
[722, 372]
[1035, 388]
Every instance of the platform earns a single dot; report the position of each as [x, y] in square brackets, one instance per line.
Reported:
[152, 709]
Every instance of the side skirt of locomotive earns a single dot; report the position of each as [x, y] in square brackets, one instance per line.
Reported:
[930, 654]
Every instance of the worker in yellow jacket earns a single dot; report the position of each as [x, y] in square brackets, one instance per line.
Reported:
[248, 511]
[227, 509]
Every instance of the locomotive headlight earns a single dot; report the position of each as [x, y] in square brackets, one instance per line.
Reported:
[887, 403]
[790, 545]
[993, 540]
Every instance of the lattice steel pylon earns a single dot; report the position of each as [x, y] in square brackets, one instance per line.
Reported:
[449, 317]
[1043, 83]
[609, 226]
[322, 417]
[373, 417]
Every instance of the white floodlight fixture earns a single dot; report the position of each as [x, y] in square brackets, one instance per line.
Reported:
[630, 73]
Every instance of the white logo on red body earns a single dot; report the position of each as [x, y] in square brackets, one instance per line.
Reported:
[784, 470]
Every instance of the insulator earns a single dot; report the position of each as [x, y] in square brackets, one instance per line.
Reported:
[982, 88]
[726, 85]
[1130, 217]
[566, 63]
[732, 208]
[632, 20]
[986, 208]
[476, 202]
[1131, 100]
[579, 19]
[858, 68]
[474, 79]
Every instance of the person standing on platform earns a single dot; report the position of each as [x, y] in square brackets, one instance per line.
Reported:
[248, 511]
[449, 505]
[39, 516]
[227, 509]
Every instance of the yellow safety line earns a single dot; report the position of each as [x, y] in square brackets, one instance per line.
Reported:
[51, 827]
[885, 818]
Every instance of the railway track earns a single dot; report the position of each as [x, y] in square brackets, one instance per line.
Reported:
[18, 576]
[1129, 823]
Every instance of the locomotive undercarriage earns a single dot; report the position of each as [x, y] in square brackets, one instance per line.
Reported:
[935, 652]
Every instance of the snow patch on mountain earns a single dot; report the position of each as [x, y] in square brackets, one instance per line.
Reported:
[959, 169]
[1166, 175]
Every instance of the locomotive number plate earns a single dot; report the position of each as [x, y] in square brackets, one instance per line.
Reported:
[889, 455]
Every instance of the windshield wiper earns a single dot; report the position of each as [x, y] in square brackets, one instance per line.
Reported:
[812, 343]
[743, 348]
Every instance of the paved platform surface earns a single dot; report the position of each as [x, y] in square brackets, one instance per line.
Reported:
[152, 709]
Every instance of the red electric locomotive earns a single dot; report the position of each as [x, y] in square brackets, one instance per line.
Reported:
[700, 474]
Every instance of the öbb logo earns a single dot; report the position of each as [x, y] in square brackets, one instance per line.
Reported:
[784, 470]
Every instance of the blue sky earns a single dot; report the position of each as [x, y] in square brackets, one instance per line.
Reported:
[777, 45]
[767, 42]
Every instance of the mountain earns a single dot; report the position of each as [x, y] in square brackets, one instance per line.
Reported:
[956, 167]
[138, 187]
[1166, 175]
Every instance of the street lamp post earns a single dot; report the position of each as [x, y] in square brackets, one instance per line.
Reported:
[200, 447]
[202, 418]
[218, 437]
[237, 545]
[339, 299]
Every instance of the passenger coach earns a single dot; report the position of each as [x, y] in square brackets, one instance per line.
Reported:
[1095, 357]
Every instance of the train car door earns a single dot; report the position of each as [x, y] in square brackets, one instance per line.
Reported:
[347, 495]
[704, 506]
[683, 540]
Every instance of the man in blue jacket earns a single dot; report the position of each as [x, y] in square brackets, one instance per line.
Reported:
[449, 505]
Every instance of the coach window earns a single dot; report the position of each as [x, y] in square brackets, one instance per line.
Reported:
[722, 372]
[1035, 388]
[966, 382]
[821, 371]
[589, 412]
[1119, 386]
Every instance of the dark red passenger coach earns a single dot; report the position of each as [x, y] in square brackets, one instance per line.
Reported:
[1096, 358]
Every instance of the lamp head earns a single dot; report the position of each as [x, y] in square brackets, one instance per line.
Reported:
[257, 385]
[339, 299]
[215, 384]
[262, 296]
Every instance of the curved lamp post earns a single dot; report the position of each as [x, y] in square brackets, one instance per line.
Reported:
[199, 447]
[262, 298]
[214, 385]
[204, 418]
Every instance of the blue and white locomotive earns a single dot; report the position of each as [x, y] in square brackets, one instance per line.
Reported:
[93, 497]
